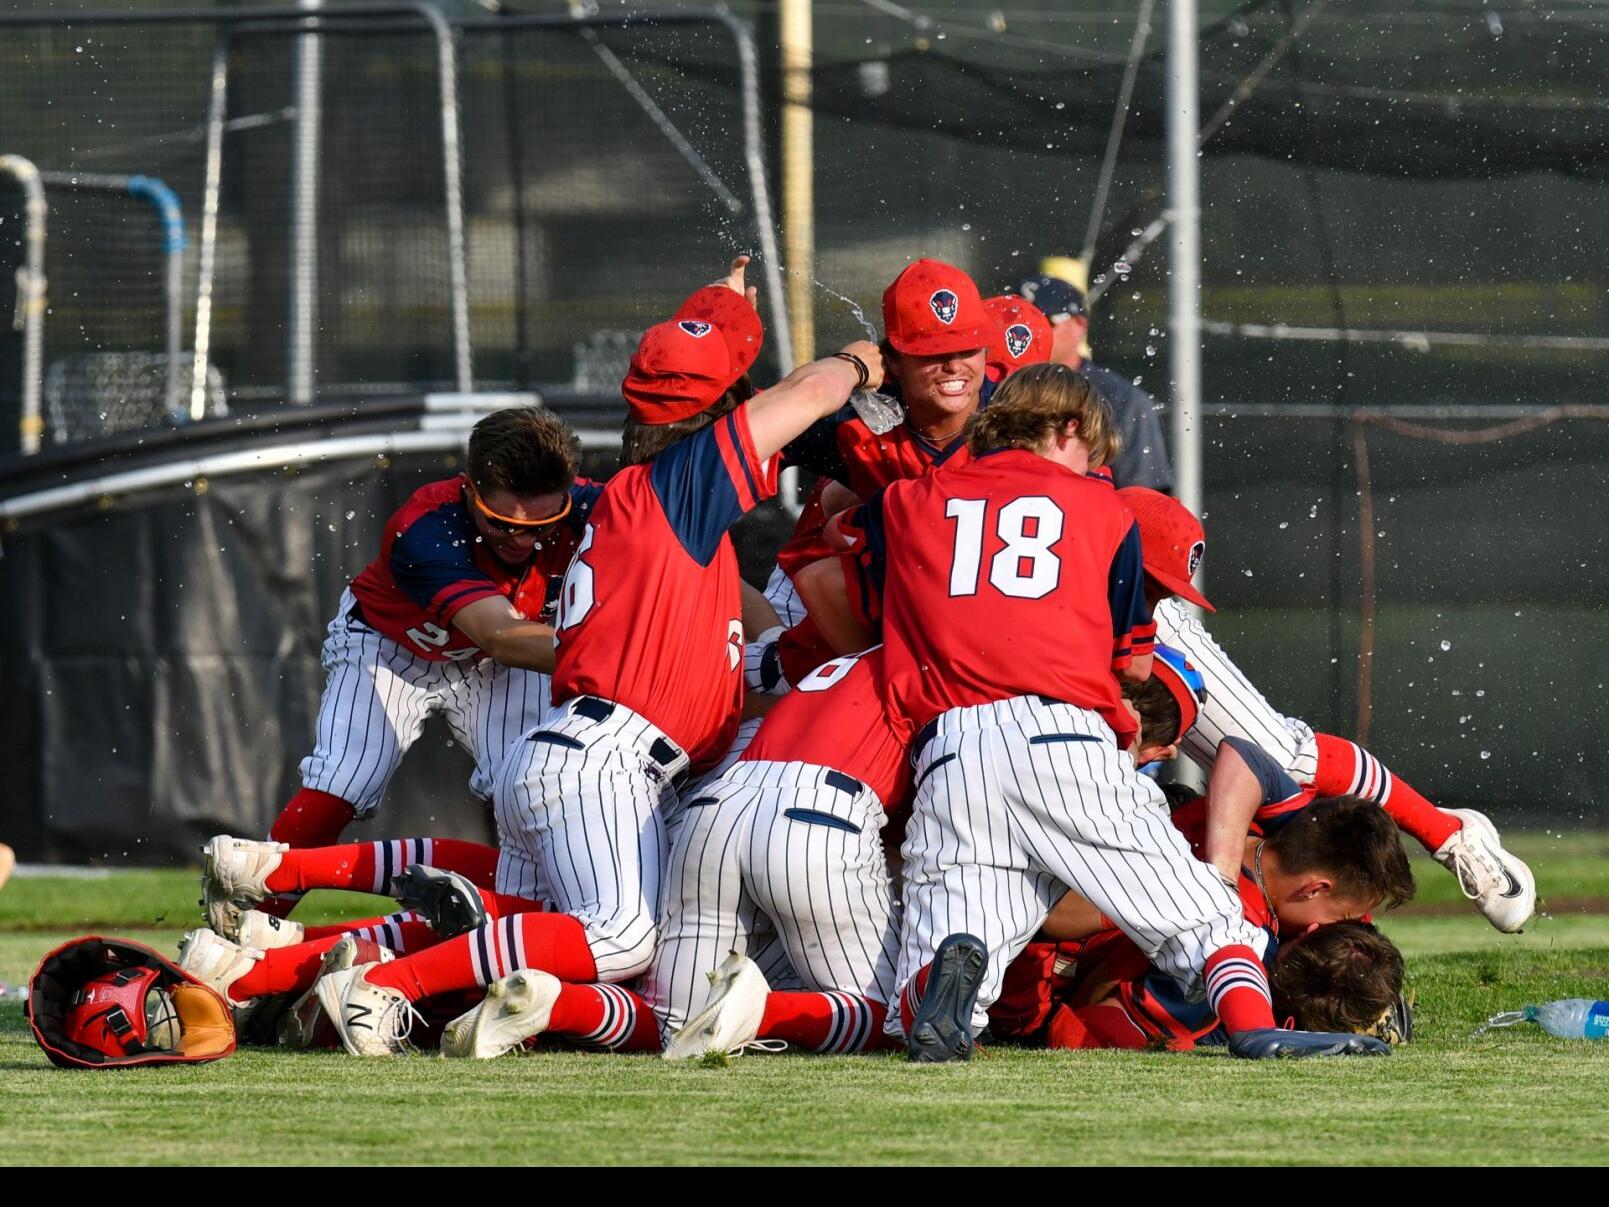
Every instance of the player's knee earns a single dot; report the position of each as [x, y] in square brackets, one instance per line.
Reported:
[623, 947]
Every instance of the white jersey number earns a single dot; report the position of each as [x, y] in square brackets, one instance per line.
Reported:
[1026, 568]
[828, 673]
[432, 637]
[577, 598]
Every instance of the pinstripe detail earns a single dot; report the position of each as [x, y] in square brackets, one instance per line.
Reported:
[619, 1018]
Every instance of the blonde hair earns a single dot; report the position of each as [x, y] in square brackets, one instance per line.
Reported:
[1034, 405]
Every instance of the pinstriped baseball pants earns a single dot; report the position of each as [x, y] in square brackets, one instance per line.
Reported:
[789, 851]
[1020, 800]
[378, 696]
[580, 807]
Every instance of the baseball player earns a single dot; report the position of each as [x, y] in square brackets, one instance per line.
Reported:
[1010, 593]
[452, 618]
[1462, 840]
[649, 674]
[936, 346]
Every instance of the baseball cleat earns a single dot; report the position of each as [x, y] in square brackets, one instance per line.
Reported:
[515, 1009]
[731, 1020]
[266, 932]
[1501, 886]
[370, 1020]
[942, 1028]
[233, 879]
[305, 1024]
[216, 962]
[1271, 1043]
[449, 902]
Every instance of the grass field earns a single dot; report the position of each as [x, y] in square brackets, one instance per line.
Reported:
[1514, 1096]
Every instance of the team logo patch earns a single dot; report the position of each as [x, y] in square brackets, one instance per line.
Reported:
[695, 328]
[1019, 338]
[1194, 560]
[944, 304]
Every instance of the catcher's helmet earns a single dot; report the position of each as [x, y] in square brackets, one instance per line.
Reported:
[104, 1003]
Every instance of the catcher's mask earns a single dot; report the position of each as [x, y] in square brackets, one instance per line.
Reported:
[97, 1003]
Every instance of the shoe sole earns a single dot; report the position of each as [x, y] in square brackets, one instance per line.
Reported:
[307, 1030]
[439, 898]
[941, 1032]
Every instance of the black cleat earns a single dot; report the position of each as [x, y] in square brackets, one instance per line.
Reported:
[448, 901]
[942, 1028]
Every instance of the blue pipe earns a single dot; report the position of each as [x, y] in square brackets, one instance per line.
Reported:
[167, 208]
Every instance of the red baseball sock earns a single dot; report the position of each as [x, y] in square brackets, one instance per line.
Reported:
[501, 905]
[1346, 769]
[284, 970]
[910, 997]
[1100, 1026]
[404, 933]
[312, 819]
[1237, 989]
[555, 943]
[372, 867]
[605, 1016]
[826, 1022]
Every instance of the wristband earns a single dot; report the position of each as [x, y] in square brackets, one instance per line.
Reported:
[861, 370]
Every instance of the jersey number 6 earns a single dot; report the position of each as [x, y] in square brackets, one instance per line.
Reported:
[1026, 568]
[577, 598]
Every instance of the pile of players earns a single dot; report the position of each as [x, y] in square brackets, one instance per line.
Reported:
[934, 821]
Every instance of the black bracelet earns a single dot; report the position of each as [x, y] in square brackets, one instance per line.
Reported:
[860, 367]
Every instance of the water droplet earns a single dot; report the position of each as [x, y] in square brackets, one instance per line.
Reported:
[1284, 524]
[1445, 646]
[1122, 266]
[1247, 573]
[351, 515]
[1486, 754]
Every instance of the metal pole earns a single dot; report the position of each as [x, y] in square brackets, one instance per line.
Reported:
[1184, 284]
[30, 313]
[764, 222]
[207, 256]
[171, 216]
[301, 324]
[453, 172]
[798, 173]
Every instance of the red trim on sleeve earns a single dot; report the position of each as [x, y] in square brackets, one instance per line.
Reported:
[451, 600]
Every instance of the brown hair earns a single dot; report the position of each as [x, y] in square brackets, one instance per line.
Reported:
[1159, 711]
[523, 450]
[1341, 977]
[642, 442]
[1035, 404]
[1353, 841]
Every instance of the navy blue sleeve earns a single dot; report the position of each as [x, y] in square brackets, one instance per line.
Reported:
[1132, 630]
[1275, 783]
[865, 526]
[696, 488]
[816, 448]
[433, 563]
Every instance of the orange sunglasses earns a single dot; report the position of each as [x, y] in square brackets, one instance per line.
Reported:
[508, 525]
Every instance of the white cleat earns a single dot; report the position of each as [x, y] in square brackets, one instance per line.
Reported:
[217, 963]
[306, 1025]
[1500, 885]
[514, 1010]
[233, 876]
[266, 932]
[371, 1020]
[731, 1021]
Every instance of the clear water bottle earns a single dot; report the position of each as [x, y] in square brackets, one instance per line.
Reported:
[1572, 1018]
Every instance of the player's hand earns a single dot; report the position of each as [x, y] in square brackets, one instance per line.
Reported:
[872, 355]
[1271, 1043]
[733, 280]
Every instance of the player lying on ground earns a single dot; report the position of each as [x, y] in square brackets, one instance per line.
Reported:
[648, 677]
[1001, 641]
[1462, 840]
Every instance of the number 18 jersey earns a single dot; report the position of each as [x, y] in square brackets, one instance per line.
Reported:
[1006, 576]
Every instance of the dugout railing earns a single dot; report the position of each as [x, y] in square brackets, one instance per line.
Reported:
[418, 205]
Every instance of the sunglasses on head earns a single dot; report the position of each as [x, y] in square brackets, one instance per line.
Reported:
[508, 525]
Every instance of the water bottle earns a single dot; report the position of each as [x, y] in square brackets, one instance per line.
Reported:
[1572, 1018]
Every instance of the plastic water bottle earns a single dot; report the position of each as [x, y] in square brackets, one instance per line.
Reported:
[1572, 1018]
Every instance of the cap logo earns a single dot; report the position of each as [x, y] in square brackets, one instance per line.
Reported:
[944, 304]
[694, 328]
[1019, 338]
[1193, 562]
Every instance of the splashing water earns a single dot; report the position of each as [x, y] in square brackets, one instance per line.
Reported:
[854, 308]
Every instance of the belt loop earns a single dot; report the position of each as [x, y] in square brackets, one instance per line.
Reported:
[842, 782]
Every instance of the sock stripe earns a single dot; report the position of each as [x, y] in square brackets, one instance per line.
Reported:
[619, 1016]
[1235, 973]
[480, 955]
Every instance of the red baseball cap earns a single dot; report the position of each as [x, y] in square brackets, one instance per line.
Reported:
[679, 370]
[933, 309]
[734, 317]
[1024, 337]
[1171, 538]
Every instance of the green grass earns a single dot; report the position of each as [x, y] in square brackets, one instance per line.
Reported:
[1505, 1097]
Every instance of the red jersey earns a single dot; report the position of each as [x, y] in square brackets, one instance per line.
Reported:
[650, 615]
[433, 563]
[834, 717]
[1108, 964]
[1008, 575]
